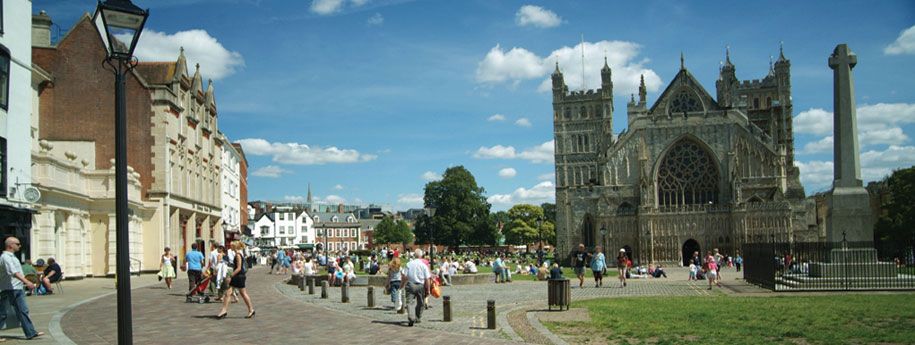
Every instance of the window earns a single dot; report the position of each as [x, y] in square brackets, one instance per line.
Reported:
[687, 175]
[282, 216]
[304, 229]
[282, 230]
[1, 16]
[265, 230]
[4, 76]
[320, 232]
[756, 103]
[684, 102]
[3, 166]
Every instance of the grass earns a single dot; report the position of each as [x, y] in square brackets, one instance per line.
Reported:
[830, 319]
[566, 272]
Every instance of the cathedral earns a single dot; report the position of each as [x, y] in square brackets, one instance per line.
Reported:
[691, 172]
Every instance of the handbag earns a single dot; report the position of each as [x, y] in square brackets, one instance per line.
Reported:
[436, 291]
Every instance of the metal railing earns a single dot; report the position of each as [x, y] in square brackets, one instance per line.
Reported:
[823, 266]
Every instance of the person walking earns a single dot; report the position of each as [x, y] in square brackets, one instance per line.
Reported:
[497, 269]
[11, 283]
[622, 264]
[236, 281]
[193, 262]
[167, 268]
[579, 260]
[394, 284]
[598, 266]
[212, 260]
[711, 268]
[419, 283]
[738, 262]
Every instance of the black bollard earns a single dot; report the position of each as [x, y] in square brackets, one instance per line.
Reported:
[344, 293]
[370, 295]
[324, 289]
[311, 285]
[491, 314]
[302, 284]
[446, 307]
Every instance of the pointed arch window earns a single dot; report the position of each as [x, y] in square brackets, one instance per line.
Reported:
[687, 175]
[685, 101]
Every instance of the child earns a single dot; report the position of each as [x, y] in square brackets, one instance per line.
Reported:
[692, 271]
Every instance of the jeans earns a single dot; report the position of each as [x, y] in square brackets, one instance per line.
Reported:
[395, 291]
[17, 299]
[193, 279]
[415, 303]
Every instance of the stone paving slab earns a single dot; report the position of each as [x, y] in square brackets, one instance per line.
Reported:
[162, 317]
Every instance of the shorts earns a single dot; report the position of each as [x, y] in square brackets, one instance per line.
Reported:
[712, 274]
[579, 271]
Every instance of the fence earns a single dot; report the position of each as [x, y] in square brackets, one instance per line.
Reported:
[824, 266]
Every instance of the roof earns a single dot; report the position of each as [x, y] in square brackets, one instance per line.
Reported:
[162, 72]
[325, 217]
[684, 80]
[369, 223]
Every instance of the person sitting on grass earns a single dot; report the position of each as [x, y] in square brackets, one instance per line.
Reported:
[659, 272]
[543, 272]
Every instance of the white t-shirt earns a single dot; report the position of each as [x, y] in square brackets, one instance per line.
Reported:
[417, 272]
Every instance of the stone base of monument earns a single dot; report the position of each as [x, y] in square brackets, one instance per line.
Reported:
[806, 282]
[851, 263]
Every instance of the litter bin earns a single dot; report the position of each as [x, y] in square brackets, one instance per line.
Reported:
[559, 293]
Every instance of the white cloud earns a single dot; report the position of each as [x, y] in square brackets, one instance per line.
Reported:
[414, 200]
[270, 171]
[431, 176]
[523, 122]
[904, 44]
[822, 145]
[294, 198]
[328, 7]
[338, 187]
[301, 154]
[813, 121]
[530, 15]
[540, 193]
[496, 117]
[537, 154]
[875, 164]
[508, 173]
[519, 64]
[330, 199]
[376, 19]
[547, 177]
[216, 62]
[498, 151]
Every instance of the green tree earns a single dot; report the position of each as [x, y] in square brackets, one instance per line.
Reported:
[895, 227]
[523, 228]
[549, 212]
[389, 231]
[462, 213]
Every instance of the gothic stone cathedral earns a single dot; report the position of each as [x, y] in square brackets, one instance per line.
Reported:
[690, 172]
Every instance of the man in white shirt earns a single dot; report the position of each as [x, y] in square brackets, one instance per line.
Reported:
[11, 283]
[419, 283]
[212, 260]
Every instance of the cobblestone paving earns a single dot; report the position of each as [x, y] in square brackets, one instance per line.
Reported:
[161, 317]
[469, 301]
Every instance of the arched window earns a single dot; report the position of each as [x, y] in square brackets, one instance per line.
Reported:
[756, 103]
[583, 112]
[587, 232]
[568, 113]
[687, 175]
[685, 101]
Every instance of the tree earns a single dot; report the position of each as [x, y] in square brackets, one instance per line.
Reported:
[549, 212]
[462, 213]
[389, 231]
[894, 229]
[523, 228]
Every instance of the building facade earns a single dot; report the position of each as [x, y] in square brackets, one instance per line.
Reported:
[243, 207]
[338, 231]
[284, 227]
[230, 183]
[15, 114]
[691, 172]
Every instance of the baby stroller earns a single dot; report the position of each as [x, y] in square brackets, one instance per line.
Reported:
[199, 294]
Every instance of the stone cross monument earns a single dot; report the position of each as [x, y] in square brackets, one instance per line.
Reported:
[849, 214]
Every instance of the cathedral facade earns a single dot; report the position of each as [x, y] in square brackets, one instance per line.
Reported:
[691, 172]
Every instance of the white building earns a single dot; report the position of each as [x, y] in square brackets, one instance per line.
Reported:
[231, 190]
[15, 117]
[285, 227]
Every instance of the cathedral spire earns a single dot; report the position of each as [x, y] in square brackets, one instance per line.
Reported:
[781, 51]
[682, 62]
[727, 56]
[643, 91]
[308, 198]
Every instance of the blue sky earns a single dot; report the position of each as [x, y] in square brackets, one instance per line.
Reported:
[368, 99]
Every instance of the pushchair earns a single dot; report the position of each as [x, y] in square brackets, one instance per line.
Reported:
[199, 294]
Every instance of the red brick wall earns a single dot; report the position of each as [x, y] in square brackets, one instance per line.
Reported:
[79, 104]
[243, 183]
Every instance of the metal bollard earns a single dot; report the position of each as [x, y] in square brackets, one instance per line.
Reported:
[311, 285]
[302, 284]
[371, 297]
[324, 289]
[491, 314]
[446, 307]
[344, 293]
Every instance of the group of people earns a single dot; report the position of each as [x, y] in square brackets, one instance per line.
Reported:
[14, 284]
[598, 264]
[709, 266]
[225, 267]
[415, 280]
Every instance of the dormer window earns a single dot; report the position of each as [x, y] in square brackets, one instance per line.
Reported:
[334, 219]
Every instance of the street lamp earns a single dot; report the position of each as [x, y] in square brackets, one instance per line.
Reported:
[540, 239]
[603, 235]
[119, 23]
[430, 212]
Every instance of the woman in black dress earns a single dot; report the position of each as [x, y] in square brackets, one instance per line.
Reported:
[237, 281]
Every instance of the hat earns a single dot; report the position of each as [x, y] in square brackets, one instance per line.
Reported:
[622, 250]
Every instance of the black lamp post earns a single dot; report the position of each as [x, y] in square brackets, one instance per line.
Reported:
[540, 240]
[603, 236]
[430, 212]
[119, 23]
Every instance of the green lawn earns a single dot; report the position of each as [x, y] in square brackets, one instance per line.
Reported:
[832, 319]
[566, 272]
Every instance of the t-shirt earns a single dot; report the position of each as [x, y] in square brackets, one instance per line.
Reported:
[9, 266]
[497, 265]
[53, 268]
[194, 260]
[417, 272]
[580, 258]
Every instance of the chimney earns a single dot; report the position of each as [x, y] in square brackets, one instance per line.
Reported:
[41, 30]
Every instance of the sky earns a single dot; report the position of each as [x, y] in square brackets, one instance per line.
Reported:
[368, 100]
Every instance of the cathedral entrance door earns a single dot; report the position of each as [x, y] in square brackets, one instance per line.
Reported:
[689, 247]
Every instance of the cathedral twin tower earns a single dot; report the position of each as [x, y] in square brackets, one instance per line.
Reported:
[689, 172]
